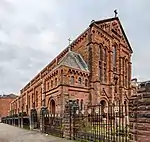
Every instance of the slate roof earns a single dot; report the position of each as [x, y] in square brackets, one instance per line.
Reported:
[144, 86]
[74, 60]
[8, 96]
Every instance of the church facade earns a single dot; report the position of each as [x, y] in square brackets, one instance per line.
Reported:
[95, 68]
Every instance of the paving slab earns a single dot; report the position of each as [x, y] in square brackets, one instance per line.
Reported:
[10, 133]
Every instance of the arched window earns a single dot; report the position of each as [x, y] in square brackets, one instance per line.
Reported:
[114, 56]
[120, 68]
[100, 62]
[123, 67]
[81, 105]
[101, 53]
[86, 82]
[55, 81]
[80, 80]
[61, 76]
[32, 97]
[105, 65]
[126, 73]
[48, 86]
[72, 80]
[51, 83]
[105, 74]
[100, 72]
[36, 101]
[42, 92]
[29, 101]
[105, 55]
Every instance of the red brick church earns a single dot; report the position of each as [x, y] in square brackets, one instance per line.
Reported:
[95, 68]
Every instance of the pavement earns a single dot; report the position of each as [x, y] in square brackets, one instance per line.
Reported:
[10, 133]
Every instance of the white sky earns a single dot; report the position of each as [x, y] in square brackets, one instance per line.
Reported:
[33, 32]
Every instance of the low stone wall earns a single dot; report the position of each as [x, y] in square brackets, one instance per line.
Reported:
[139, 107]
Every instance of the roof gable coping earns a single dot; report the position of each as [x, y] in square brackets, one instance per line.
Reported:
[121, 27]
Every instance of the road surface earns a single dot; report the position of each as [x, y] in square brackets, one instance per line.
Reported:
[14, 134]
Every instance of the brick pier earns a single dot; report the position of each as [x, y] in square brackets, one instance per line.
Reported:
[140, 118]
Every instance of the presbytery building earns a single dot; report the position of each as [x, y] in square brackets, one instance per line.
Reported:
[94, 69]
[5, 101]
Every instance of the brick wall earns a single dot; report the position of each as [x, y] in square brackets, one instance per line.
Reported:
[5, 106]
[140, 117]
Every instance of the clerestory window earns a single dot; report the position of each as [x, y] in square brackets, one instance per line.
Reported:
[72, 80]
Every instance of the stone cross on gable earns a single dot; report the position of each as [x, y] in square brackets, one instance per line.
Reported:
[116, 13]
[69, 43]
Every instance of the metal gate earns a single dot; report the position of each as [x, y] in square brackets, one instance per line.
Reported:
[44, 118]
[54, 127]
[101, 124]
[34, 120]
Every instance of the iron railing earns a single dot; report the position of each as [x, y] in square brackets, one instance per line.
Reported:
[54, 126]
[99, 124]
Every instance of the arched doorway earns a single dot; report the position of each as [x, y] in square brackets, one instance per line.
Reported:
[52, 107]
[34, 119]
[103, 106]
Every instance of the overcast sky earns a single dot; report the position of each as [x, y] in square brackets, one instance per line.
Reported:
[33, 32]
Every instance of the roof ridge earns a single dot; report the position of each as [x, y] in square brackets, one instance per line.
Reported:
[107, 19]
[76, 57]
[76, 60]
